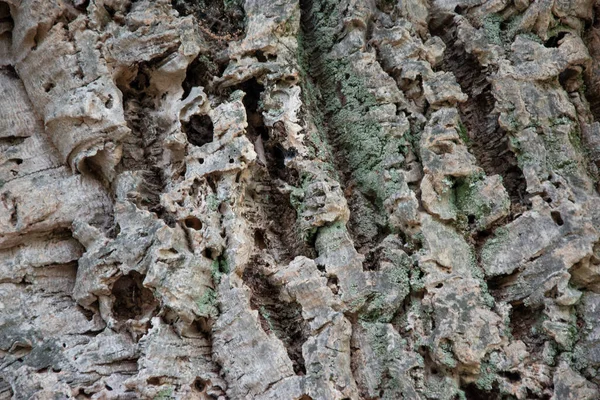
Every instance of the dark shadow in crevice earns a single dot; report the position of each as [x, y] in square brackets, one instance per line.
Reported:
[201, 72]
[472, 392]
[553, 40]
[278, 220]
[486, 140]
[522, 320]
[282, 319]
[146, 134]
[251, 101]
[132, 299]
[591, 74]
[220, 17]
[199, 130]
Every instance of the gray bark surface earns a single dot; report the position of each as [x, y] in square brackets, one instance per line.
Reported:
[299, 199]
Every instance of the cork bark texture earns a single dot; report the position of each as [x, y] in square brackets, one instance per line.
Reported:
[300, 199]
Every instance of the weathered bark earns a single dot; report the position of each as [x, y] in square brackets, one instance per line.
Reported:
[299, 199]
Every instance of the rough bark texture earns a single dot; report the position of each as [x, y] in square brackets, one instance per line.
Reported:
[299, 199]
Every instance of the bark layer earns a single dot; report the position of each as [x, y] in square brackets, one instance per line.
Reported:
[299, 199]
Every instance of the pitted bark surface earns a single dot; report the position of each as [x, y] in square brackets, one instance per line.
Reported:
[299, 199]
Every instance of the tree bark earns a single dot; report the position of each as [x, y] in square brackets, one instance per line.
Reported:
[299, 199]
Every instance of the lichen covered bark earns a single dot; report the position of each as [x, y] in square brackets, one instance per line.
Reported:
[299, 199]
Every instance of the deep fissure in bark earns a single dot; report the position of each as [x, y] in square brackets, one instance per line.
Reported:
[592, 73]
[277, 317]
[220, 17]
[488, 142]
[269, 178]
[319, 19]
[147, 135]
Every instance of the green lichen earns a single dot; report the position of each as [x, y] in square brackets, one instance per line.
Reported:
[487, 376]
[463, 133]
[215, 272]
[342, 109]
[164, 394]
[503, 32]
[219, 267]
[212, 201]
[442, 388]
[549, 354]
[207, 303]
[491, 247]
[375, 311]
[561, 155]
[417, 282]
[447, 355]
[267, 316]
[470, 203]
[491, 29]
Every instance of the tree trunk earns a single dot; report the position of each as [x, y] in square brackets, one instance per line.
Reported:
[313, 199]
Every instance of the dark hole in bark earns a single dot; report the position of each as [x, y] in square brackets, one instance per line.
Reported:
[200, 72]
[260, 56]
[333, 284]
[472, 392]
[251, 101]
[259, 239]
[511, 376]
[49, 86]
[279, 156]
[200, 384]
[372, 259]
[89, 314]
[153, 381]
[132, 299]
[210, 181]
[522, 319]
[111, 11]
[141, 81]
[10, 70]
[5, 12]
[81, 5]
[193, 223]
[210, 253]
[553, 41]
[199, 130]
[557, 218]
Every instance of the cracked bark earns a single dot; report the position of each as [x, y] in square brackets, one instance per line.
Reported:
[303, 199]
